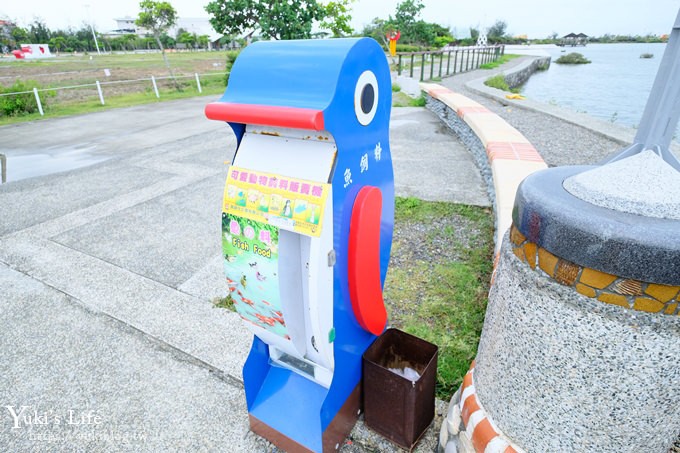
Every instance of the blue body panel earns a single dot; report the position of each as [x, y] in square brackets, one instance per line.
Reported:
[321, 75]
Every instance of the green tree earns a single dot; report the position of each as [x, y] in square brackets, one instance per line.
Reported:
[377, 30]
[157, 18]
[277, 19]
[7, 40]
[73, 44]
[38, 32]
[130, 41]
[117, 43]
[19, 36]
[168, 41]
[187, 39]
[84, 35]
[58, 43]
[497, 32]
[407, 14]
[414, 31]
[338, 17]
[203, 41]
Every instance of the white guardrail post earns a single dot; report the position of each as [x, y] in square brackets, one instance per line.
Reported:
[155, 87]
[3, 168]
[99, 90]
[37, 100]
[198, 83]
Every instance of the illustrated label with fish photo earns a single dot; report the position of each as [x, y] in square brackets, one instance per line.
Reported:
[250, 251]
[289, 203]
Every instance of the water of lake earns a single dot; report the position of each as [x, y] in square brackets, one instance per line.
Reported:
[614, 87]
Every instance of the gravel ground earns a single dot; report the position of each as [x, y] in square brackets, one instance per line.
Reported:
[424, 241]
[419, 245]
[558, 142]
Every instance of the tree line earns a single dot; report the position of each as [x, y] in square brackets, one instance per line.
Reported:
[296, 19]
[283, 19]
[236, 19]
[81, 39]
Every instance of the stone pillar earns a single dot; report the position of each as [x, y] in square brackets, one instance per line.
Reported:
[581, 343]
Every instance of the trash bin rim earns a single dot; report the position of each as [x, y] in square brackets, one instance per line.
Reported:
[431, 349]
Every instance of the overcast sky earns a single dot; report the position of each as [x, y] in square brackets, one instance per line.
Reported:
[535, 18]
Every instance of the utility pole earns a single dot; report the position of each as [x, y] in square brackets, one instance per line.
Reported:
[96, 44]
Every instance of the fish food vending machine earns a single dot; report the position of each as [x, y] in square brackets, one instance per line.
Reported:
[307, 224]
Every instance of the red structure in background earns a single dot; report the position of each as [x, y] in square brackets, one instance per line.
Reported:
[393, 36]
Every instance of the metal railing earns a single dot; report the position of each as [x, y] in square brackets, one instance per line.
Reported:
[455, 60]
[98, 85]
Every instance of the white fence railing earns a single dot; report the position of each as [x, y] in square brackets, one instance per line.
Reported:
[98, 85]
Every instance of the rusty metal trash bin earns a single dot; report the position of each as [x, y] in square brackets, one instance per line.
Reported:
[399, 407]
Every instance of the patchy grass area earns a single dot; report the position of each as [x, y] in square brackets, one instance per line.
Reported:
[400, 99]
[113, 71]
[498, 81]
[572, 58]
[438, 280]
[212, 89]
[224, 302]
[496, 63]
[70, 69]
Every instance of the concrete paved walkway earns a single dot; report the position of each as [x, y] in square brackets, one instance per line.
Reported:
[110, 340]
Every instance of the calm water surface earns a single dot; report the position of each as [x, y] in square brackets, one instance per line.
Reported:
[614, 87]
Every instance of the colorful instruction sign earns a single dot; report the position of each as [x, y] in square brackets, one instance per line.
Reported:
[251, 262]
[289, 203]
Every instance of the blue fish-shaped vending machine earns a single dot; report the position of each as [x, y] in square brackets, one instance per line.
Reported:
[309, 198]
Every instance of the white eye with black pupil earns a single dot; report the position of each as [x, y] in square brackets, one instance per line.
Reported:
[366, 97]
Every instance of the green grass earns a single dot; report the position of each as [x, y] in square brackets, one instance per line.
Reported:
[211, 87]
[437, 295]
[572, 58]
[224, 302]
[404, 100]
[442, 299]
[83, 62]
[498, 82]
[496, 63]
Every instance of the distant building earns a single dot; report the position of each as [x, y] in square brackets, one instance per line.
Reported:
[195, 25]
[126, 26]
[573, 40]
[6, 26]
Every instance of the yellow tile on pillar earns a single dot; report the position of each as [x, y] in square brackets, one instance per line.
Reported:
[662, 293]
[596, 279]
